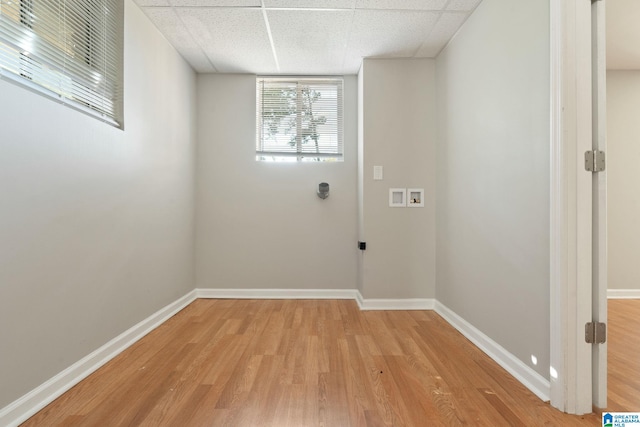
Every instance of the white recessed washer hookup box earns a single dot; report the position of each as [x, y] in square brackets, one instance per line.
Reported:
[415, 197]
[397, 197]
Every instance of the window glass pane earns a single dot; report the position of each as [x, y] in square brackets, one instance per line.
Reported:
[299, 120]
[66, 49]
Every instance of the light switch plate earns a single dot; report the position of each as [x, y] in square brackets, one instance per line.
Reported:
[377, 173]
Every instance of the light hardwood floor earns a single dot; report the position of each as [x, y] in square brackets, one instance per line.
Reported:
[623, 391]
[306, 363]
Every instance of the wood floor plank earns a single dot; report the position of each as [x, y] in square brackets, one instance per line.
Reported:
[358, 391]
[411, 391]
[623, 355]
[188, 388]
[502, 408]
[165, 414]
[326, 363]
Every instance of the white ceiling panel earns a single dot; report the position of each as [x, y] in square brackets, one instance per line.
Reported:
[197, 59]
[168, 21]
[176, 33]
[313, 40]
[445, 28]
[215, 3]
[152, 3]
[170, 25]
[315, 4]
[401, 4]
[463, 5]
[351, 65]
[304, 36]
[235, 40]
[393, 34]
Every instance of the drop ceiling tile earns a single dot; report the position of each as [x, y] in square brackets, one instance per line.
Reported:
[464, 5]
[313, 39]
[315, 68]
[351, 65]
[390, 34]
[170, 25]
[401, 4]
[197, 59]
[143, 3]
[230, 35]
[445, 28]
[235, 40]
[216, 3]
[315, 4]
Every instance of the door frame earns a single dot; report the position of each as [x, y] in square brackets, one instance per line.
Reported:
[570, 205]
[599, 183]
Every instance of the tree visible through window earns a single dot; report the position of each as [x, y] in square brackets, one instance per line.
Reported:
[299, 119]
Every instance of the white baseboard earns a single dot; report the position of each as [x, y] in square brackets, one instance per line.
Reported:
[364, 304]
[22, 409]
[395, 304]
[535, 382]
[623, 293]
[276, 293]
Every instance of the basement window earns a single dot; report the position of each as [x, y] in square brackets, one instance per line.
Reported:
[299, 119]
[68, 50]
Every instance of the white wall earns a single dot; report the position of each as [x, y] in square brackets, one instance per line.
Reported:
[261, 225]
[493, 176]
[96, 224]
[623, 176]
[398, 121]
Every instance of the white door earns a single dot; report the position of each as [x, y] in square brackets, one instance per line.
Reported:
[599, 189]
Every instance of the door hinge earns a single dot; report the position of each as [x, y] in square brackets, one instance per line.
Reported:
[594, 161]
[595, 333]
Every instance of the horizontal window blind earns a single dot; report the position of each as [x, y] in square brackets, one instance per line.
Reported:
[70, 50]
[299, 119]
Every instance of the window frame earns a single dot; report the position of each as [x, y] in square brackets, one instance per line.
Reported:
[300, 155]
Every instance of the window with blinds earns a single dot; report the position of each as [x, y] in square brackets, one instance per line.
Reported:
[299, 119]
[69, 50]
